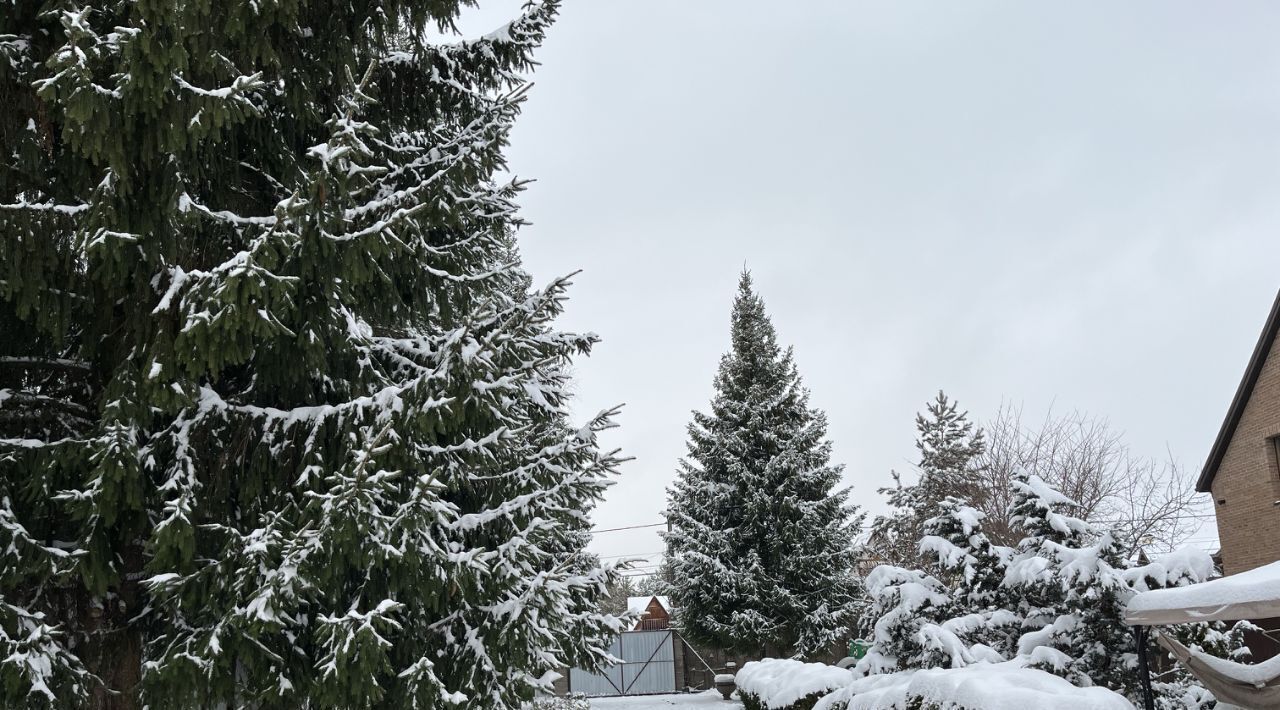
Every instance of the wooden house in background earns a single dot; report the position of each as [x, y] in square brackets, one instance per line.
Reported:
[655, 612]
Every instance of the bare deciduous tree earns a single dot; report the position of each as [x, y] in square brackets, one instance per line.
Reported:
[1145, 502]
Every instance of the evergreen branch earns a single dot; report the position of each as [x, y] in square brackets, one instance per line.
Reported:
[36, 400]
[22, 204]
[64, 364]
[239, 87]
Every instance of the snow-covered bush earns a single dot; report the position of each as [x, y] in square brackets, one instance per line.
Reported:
[906, 604]
[785, 684]
[577, 701]
[1000, 686]
[1054, 602]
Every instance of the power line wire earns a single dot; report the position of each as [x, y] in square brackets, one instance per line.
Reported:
[866, 526]
[629, 527]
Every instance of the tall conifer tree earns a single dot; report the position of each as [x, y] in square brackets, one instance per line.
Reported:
[760, 545]
[281, 425]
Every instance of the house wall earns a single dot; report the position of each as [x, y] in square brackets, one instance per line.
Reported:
[1247, 484]
[655, 618]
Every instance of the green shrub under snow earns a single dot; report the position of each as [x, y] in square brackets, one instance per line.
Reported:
[576, 701]
[750, 701]
[982, 686]
[784, 684]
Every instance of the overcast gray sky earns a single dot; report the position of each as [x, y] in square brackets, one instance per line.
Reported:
[1070, 204]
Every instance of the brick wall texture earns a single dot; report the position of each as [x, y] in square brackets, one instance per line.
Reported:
[1247, 484]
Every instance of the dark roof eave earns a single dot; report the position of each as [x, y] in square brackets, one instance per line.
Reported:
[1251, 373]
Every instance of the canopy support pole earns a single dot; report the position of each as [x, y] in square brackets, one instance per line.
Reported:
[1144, 668]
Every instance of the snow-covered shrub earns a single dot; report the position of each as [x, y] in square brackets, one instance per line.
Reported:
[1054, 602]
[906, 604]
[577, 701]
[785, 684]
[984, 686]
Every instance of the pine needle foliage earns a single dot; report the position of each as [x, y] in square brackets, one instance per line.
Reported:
[281, 423]
[948, 444]
[760, 547]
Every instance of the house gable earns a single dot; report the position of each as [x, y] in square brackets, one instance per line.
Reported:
[654, 611]
[1243, 470]
[1244, 392]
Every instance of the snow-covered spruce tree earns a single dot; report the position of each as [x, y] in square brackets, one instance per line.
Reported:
[1055, 602]
[1069, 579]
[956, 546]
[1074, 583]
[948, 444]
[906, 615]
[916, 620]
[760, 545]
[956, 550]
[280, 424]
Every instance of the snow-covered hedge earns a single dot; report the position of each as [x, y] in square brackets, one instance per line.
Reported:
[983, 686]
[784, 684]
[577, 701]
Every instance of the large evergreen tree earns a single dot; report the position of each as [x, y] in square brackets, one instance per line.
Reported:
[281, 425]
[760, 545]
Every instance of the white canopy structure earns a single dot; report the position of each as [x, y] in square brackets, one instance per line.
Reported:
[1248, 595]
[1243, 685]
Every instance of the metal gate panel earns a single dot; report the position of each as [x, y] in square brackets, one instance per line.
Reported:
[649, 678]
[643, 646]
[650, 665]
[647, 667]
[596, 684]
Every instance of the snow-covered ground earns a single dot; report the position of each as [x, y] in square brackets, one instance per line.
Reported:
[699, 701]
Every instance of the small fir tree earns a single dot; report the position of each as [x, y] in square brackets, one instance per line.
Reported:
[760, 546]
[1068, 581]
[905, 609]
[959, 551]
[948, 444]
[956, 550]
[281, 423]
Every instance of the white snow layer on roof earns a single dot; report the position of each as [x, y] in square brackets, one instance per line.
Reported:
[779, 682]
[983, 686]
[1248, 595]
[637, 605]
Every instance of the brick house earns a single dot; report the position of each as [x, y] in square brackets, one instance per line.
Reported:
[1242, 472]
[1243, 469]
